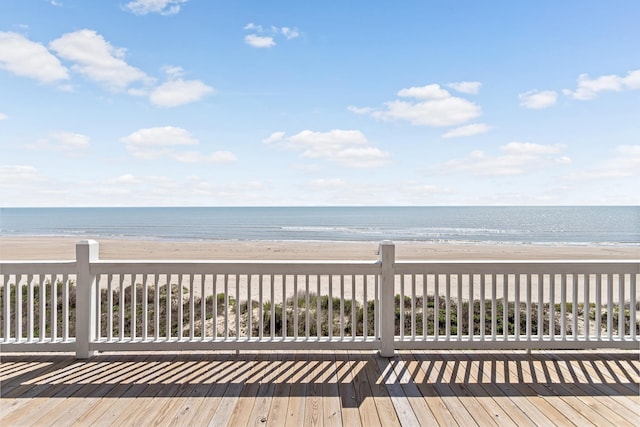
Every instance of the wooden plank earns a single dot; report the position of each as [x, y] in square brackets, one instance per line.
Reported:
[403, 371]
[260, 410]
[609, 396]
[125, 395]
[278, 410]
[504, 411]
[363, 392]
[348, 402]
[382, 401]
[313, 400]
[403, 408]
[242, 411]
[236, 382]
[55, 409]
[436, 376]
[519, 409]
[606, 410]
[331, 410]
[199, 409]
[297, 392]
[420, 374]
[59, 385]
[548, 391]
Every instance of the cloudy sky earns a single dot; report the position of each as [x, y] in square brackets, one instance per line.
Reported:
[253, 102]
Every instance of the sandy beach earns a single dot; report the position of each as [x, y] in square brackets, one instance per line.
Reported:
[63, 248]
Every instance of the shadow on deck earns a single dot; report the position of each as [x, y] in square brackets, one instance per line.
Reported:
[256, 387]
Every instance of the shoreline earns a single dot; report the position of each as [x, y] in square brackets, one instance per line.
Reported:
[63, 248]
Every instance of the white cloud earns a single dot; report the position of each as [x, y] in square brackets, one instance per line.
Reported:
[23, 57]
[625, 163]
[259, 41]
[96, 59]
[160, 142]
[590, 88]
[538, 99]
[519, 158]
[177, 92]
[163, 7]
[265, 38]
[69, 143]
[466, 87]
[345, 147]
[289, 33]
[3, 117]
[436, 108]
[467, 130]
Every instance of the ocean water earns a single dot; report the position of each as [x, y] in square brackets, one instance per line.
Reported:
[487, 225]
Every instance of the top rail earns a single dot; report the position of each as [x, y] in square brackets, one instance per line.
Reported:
[519, 267]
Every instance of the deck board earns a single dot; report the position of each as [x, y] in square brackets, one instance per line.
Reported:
[323, 388]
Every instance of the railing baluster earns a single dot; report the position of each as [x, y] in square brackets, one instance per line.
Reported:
[341, 307]
[215, 305]
[587, 307]
[483, 307]
[307, 324]
[459, 308]
[552, 307]
[574, 311]
[529, 326]
[330, 307]
[598, 319]
[226, 306]
[318, 307]
[471, 328]
[436, 306]
[365, 307]
[401, 302]
[516, 307]
[413, 307]
[145, 308]
[110, 307]
[632, 306]
[284, 305]
[133, 307]
[610, 307]
[169, 307]
[237, 307]
[505, 307]
[249, 306]
[494, 308]
[156, 314]
[295, 306]
[447, 297]
[424, 306]
[43, 308]
[54, 307]
[563, 306]
[121, 308]
[30, 307]
[272, 326]
[353, 306]
[621, 310]
[540, 306]
[180, 320]
[260, 308]
[192, 309]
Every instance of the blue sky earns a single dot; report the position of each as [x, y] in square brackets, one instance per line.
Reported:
[217, 103]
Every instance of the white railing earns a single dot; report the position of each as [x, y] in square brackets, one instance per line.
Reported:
[91, 305]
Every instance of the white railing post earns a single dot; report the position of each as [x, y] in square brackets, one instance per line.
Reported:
[87, 251]
[387, 255]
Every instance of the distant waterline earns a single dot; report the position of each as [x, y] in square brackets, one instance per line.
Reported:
[483, 225]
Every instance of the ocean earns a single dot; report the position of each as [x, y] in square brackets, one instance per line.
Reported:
[580, 225]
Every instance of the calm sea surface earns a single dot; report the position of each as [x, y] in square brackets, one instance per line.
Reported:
[538, 225]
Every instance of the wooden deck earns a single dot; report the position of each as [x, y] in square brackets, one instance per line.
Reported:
[323, 388]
